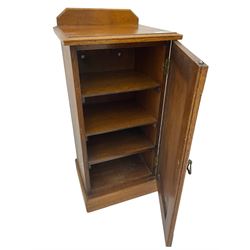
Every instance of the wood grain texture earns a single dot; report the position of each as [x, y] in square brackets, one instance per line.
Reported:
[115, 145]
[88, 35]
[85, 16]
[75, 101]
[184, 88]
[114, 174]
[96, 84]
[151, 60]
[125, 97]
[115, 70]
[105, 26]
[113, 116]
[106, 60]
[122, 193]
[118, 46]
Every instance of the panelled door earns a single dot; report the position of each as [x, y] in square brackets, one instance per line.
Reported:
[185, 83]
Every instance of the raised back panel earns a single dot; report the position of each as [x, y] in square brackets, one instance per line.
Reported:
[76, 16]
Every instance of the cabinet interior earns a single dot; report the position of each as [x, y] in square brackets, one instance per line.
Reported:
[122, 91]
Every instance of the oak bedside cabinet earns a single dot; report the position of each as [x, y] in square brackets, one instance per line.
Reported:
[134, 94]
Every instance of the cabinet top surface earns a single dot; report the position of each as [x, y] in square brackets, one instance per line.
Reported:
[106, 26]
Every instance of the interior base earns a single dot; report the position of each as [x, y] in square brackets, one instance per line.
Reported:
[97, 201]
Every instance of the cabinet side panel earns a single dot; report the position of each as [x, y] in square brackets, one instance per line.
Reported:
[75, 101]
[151, 61]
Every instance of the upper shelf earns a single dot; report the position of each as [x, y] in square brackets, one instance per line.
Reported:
[106, 26]
[103, 83]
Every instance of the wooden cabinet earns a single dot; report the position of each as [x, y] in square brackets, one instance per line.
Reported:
[134, 93]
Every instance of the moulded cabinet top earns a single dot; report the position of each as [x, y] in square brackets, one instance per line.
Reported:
[106, 26]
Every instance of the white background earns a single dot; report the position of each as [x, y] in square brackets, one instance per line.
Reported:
[41, 205]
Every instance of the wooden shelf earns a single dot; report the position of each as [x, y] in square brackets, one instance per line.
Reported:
[96, 84]
[115, 145]
[112, 116]
[115, 174]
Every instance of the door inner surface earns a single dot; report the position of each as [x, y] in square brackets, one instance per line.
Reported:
[185, 84]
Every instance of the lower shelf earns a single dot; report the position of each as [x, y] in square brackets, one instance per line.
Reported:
[114, 174]
[122, 180]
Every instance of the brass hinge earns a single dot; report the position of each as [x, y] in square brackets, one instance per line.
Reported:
[166, 66]
[156, 173]
[156, 161]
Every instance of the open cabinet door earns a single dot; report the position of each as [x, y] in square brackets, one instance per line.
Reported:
[185, 83]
